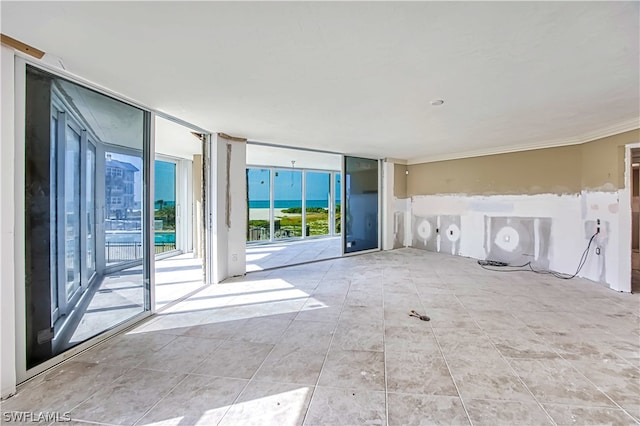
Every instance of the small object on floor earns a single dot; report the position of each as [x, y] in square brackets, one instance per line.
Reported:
[417, 315]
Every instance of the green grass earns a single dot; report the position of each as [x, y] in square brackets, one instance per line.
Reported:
[318, 223]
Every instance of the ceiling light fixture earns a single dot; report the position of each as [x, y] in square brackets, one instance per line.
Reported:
[437, 102]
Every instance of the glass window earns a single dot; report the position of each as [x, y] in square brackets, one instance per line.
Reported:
[361, 208]
[259, 204]
[287, 196]
[317, 199]
[76, 285]
[165, 206]
[338, 194]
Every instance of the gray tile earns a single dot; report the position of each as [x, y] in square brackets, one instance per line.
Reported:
[266, 403]
[487, 379]
[261, 330]
[332, 406]
[63, 387]
[315, 335]
[416, 337]
[485, 412]
[417, 373]
[359, 336]
[197, 400]
[292, 364]
[353, 370]
[405, 409]
[572, 415]
[362, 314]
[128, 398]
[238, 360]
[182, 355]
[521, 344]
[127, 350]
[216, 330]
[556, 381]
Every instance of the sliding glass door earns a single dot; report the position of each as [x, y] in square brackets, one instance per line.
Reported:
[317, 203]
[361, 204]
[86, 259]
[259, 204]
[287, 196]
[165, 206]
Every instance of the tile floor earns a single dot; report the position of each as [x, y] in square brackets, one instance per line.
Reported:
[332, 343]
[120, 296]
[285, 253]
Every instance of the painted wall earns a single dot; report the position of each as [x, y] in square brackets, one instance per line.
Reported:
[547, 201]
[541, 171]
[231, 207]
[400, 180]
[596, 165]
[7, 251]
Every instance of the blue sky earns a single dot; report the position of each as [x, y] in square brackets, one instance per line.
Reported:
[288, 185]
[165, 181]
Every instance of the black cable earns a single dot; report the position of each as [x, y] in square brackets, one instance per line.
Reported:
[529, 266]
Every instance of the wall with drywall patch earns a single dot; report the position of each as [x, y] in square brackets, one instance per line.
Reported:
[541, 206]
[550, 231]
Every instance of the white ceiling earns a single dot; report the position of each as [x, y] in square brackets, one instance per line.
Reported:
[175, 140]
[259, 155]
[358, 77]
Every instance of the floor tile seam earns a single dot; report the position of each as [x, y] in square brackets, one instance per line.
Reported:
[244, 388]
[581, 405]
[384, 357]
[513, 371]
[601, 391]
[637, 367]
[162, 398]
[125, 372]
[93, 422]
[326, 356]
[464, 406]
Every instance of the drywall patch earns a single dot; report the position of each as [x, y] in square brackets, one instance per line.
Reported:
[424, 233]
[398, 229]
[518, 240]
[449, 235]
[437, 233]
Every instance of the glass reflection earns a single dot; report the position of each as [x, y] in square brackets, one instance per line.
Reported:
[361, 208]
[258, 199]
[84, 191]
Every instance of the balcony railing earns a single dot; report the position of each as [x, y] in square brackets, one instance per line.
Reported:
[123, 252]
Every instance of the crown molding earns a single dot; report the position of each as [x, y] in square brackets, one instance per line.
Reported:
[604, 132]
[395, 160]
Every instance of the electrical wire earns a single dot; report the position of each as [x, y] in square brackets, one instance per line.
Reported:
[528, 267]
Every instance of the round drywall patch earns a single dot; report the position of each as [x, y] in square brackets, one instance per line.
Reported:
[453, 233]
[424, 230]
[507, 238]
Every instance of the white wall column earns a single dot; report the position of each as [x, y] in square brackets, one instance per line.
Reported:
[230, 211]
[387, 205]
[7, 225]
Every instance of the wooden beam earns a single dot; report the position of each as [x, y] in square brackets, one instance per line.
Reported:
[22, 47]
